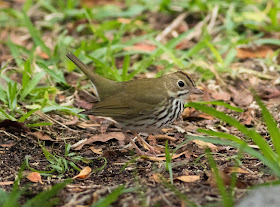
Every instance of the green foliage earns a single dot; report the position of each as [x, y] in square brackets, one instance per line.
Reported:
[60, 164]
[112, 197]
[228, 200]
[269, 155]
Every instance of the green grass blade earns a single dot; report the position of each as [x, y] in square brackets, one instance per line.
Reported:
[31, 85]
[220, 103]
[223, 135]
[271, 125]
[57, 75]
[35, 34]
[227, 198]
[112, 197]
[7, 116]
[254, 153]
[25, 116]
[257, 138]
[168, 162]
[126, 63]
[15, 52]
[42, 198]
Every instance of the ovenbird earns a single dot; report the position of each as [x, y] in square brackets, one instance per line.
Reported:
[143, 105]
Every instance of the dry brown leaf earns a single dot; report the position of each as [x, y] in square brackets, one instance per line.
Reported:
[144, 47]
[247, 117]
[84, 173]
[164, 158]
[127, 21]
[96, 151]
[188, 178]
[235, 170]
[7, 145]
[156, 177]
[202, 144]
[102, 138]
[260, 52]
[6, 183]
[162, 137]
[84, 125]
[35, 177]
[241, 97]
[205, 116]
[41, 136]
[227, 180]
[221, 95]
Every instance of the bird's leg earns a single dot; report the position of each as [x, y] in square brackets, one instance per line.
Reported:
[151, 149]
[139, 152]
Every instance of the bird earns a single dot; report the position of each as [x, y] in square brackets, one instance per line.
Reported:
[140, 105]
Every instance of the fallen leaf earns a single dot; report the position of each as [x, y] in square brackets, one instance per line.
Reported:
[127, 21]
[6, 183]
[241, 97]
[202, 144]
[235, 170]
[164, 158]
[40, 135]
[162, 137]
[247, 117]
[226, 179]
[205, 116]
[102, 138]
[221, 95]
[260, 52]
[156, 177]
[96, 151]
[143, 47]
[7, 145]
[84, 173]
[188, 178]
[35, 177]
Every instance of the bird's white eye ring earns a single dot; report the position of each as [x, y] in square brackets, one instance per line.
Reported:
[181, 83]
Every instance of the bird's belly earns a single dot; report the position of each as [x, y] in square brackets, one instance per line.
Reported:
[155, 121]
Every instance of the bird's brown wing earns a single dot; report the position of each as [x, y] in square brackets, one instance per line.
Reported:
[127, 104]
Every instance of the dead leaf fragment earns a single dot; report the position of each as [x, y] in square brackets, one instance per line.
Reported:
[41, 136]
[96, 151]
[6, 183]
[35, 177]
[257, 52]
[202, 144]
[84, 173]
[188, 178]
[235, 170]
[102, 138]
[144, 47]
[164, 158]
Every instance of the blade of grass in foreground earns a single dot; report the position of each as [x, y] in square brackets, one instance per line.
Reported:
[254, 153]
[271, 125]
[257, 138]
[112, 197]
[227, 198]
[219, 103]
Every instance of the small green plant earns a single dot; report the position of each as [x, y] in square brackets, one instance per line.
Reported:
[60, 164]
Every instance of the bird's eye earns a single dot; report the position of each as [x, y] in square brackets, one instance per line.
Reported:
[181, 83]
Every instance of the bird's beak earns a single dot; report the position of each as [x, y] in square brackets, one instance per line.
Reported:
[196, 91]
